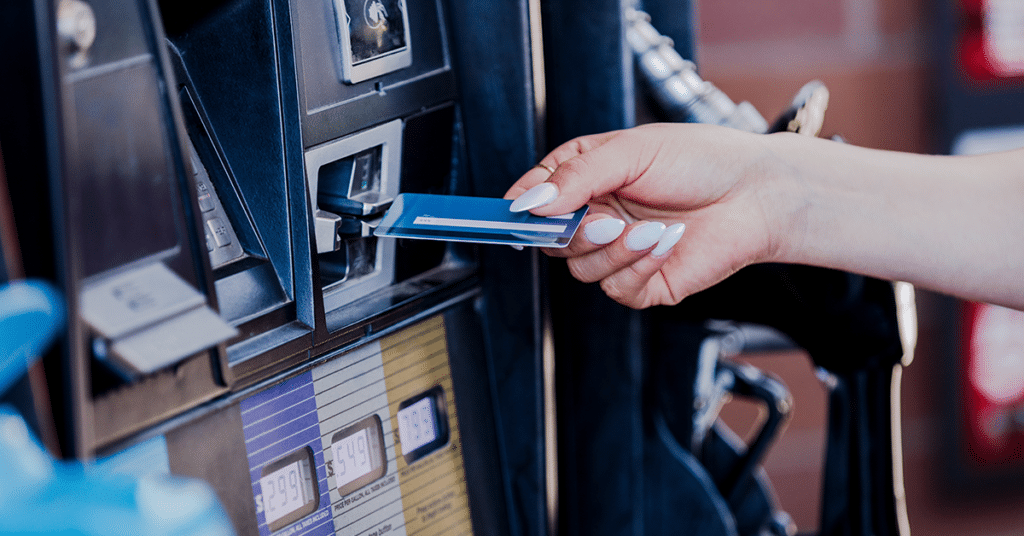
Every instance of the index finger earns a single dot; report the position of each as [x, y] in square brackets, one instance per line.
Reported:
[603, 169]
[561, 154]
[535, 176]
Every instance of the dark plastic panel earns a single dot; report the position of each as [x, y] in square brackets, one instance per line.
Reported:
[119, 34]
[491, 56]
[427, 156]
[123, 206]
[237, 85]
[600, 373]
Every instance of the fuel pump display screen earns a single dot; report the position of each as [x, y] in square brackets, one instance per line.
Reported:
[359, 456]
[377, 27]
[422, 424]
[289, 489]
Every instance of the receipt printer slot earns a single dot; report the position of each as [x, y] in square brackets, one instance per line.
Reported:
[149, 318]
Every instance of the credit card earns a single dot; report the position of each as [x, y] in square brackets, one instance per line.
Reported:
[482, 220]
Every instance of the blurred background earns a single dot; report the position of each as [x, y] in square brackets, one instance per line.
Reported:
[918, 76]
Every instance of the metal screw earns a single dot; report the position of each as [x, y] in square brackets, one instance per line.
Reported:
[76, 26]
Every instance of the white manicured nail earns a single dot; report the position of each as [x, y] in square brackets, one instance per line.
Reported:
[517, 247]
[644, 236]
[669, 239]
[538, 196]
[604, 231]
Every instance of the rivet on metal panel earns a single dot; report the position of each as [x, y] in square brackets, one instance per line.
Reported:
[76, 26]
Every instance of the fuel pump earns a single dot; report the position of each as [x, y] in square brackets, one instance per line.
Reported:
[198, 178]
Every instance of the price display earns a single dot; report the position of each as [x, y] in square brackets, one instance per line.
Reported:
[422, 424]
[351, 458]
[359, 456]
[416, 424]
[289, 489]
[282, 492]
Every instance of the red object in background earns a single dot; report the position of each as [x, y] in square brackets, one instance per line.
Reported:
[972, 7]
[993, 385]
[991, 47]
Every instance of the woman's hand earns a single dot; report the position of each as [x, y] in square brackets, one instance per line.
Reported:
[645, 186]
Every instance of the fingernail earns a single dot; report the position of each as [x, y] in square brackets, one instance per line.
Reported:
[538, 196]
[603, 231]
[517, 247]
[644, 236]
[669, 239]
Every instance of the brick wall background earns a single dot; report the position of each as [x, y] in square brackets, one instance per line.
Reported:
[876, 57]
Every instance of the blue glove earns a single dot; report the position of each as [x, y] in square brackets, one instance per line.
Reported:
[31, 314]
[40, 495]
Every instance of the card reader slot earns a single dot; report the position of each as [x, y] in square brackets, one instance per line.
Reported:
[352, 185]
[352, 181]
[354, 177]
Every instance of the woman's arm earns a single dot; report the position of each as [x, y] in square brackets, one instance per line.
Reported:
[949, 223]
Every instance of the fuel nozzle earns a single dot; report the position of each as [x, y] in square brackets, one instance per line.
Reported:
[686, 97]
[677, 87]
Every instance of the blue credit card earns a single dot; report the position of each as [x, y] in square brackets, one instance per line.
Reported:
[482, 220]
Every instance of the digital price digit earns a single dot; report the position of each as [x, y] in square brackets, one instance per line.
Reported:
[416, 425]
[282, 492]
[289, 488]
[351, 458]
[422, 424]
[359, 456]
